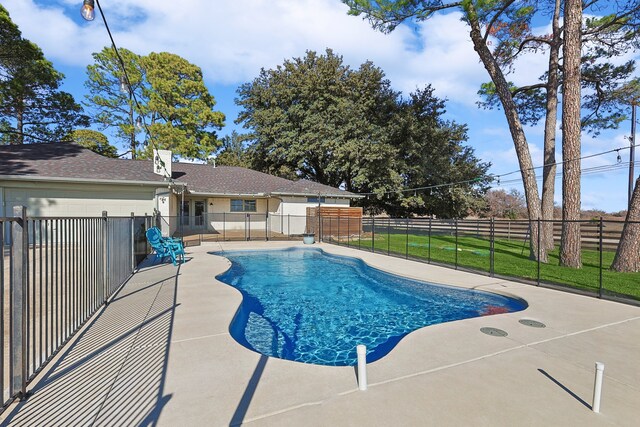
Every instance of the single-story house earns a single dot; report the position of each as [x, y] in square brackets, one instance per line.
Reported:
[61, 179]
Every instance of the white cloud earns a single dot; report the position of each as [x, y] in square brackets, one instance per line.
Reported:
[57, 34]
[447, 60]
[231, 41]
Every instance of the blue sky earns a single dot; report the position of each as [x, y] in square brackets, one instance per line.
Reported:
[231, 40]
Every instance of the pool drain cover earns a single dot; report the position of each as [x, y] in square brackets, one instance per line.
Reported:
[532, 323]
[494, 332]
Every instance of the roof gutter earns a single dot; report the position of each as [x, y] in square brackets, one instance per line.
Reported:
[201, 193]
[84, 180]
[310, 194]
[274, 193]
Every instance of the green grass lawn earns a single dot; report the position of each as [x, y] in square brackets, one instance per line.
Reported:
[511, 259]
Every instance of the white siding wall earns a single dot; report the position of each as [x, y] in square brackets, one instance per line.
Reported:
[78, 200]
[220, 214]
[286, 215]
[293, 210]
[299, 205]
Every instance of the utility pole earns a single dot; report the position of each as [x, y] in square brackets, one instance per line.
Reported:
[632, 141]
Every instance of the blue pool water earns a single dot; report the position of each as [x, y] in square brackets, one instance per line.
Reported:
[309, 306]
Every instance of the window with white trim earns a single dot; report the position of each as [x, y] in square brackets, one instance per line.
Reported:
[243, 205]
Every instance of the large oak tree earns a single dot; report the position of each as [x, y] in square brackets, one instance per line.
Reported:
[318, 119]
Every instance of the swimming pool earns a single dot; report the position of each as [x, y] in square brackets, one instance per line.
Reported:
[306, 305]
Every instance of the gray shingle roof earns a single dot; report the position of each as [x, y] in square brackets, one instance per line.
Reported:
[73, 162]
[235, 180]
[225, 179]
[310, 188]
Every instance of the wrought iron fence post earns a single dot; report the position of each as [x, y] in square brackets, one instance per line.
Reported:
[18, 297]
[248, 228]
[224, 226]
[331, 229]
[349, 231]
[600, 246]
[181, 219]
[133, 243]
[429, 242]
[105, 257]
[492, 243]
[406, 247]
[266, 226]
[538, 242]
[338, 228]
[456, 259]
[373, 234]
[147, 224]
[289, 225]
[388, 236]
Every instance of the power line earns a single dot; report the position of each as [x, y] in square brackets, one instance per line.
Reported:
[497, 178]
[587, 171]
[617, 150]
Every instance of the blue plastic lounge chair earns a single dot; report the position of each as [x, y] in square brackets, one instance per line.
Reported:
[157, 234]
[165, 247]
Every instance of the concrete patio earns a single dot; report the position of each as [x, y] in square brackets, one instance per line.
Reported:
[160, 354]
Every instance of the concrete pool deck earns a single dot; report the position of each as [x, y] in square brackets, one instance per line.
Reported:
[160, 353]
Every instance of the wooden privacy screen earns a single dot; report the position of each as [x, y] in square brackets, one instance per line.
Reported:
[335, 221]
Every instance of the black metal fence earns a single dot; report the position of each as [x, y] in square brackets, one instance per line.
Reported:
[234, 226]
[495, 247]
[499, 248]
[56, 273]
